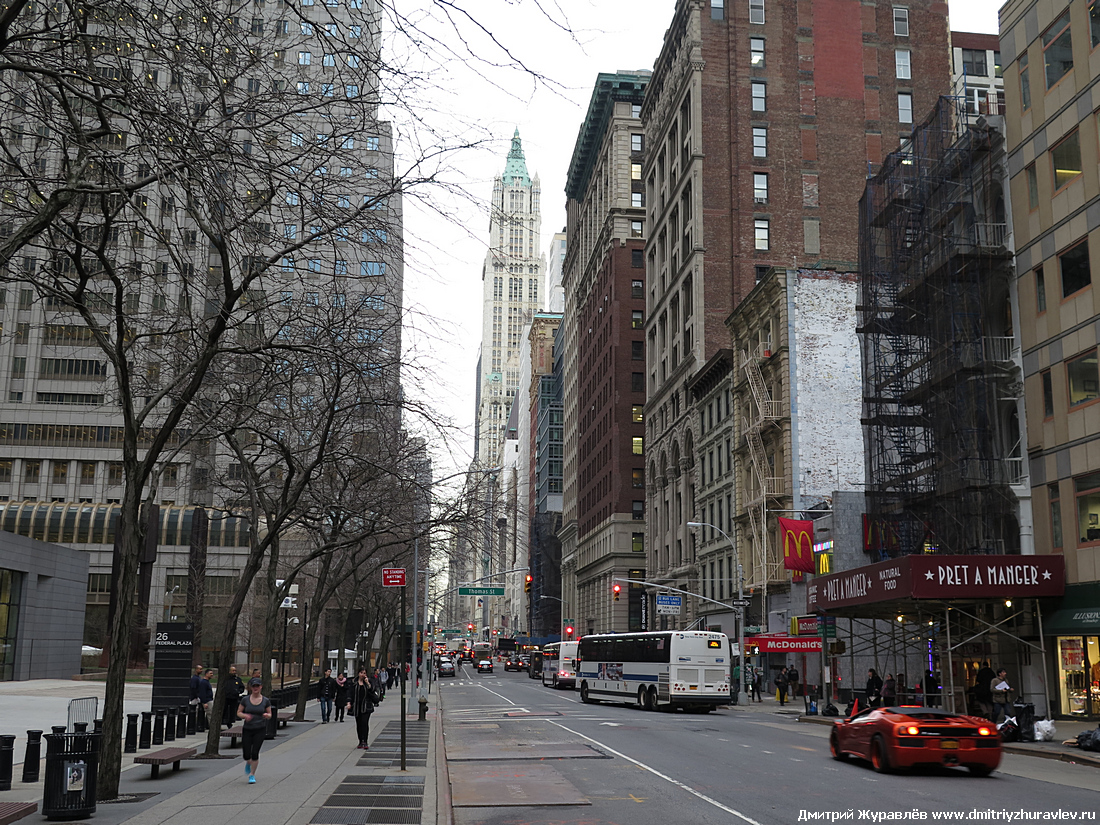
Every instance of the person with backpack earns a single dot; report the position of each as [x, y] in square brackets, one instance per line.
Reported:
[781, 685]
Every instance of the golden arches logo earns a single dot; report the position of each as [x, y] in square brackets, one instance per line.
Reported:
[788, 535]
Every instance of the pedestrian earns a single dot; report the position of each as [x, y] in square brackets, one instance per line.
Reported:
[193, 688]
[235, 689]
[735, 684]
[326, 694]
[341, 695]
[255, 710]
[873, 689]
[361, 702]
[1001, 692]
[781, 685]
[792, 680]
[757, 682]
[889, 691]
[384, 678]
[376, 683]
[206, 697]
[931, 690]
[983, 680]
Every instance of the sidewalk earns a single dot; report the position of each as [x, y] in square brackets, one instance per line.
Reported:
[311, 773]
[1064, 729]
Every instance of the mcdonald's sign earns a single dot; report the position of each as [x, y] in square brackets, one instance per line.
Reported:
[798, 544]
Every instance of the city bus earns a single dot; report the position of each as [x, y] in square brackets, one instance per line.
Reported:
[481, 650]
[672, 669]
[559, 664]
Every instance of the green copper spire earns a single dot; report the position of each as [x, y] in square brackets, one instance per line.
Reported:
[516, 167]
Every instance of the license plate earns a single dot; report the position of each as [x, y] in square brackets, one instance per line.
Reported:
[949, 744]
[693, 687]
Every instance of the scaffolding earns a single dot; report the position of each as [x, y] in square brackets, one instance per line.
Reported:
[941, 369]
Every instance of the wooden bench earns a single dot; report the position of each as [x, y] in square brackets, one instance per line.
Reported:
[167, 756]
[234, 734]
[14, 811]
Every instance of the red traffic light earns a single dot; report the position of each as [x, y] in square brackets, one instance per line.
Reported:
[469, 627]
[569, 631]
[615, 589]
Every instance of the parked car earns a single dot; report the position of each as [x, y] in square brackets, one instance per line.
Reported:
[903, 737]
[485, 666]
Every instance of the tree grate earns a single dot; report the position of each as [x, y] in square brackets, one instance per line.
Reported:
[373, 801]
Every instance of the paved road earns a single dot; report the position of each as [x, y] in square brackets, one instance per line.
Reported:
[732, 765]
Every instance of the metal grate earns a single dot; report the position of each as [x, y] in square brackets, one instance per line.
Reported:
[373, 801]
[387, 780]
[341, 816]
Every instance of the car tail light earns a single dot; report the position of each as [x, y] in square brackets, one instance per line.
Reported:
[984, 732]
[908, 730]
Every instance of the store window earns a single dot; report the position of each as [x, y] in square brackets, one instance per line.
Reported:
[1083, 378]
[1079, 660]
[1087, 490]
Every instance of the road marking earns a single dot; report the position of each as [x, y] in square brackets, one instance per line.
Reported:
[772, 753]
[657, 773]
[505, 698]
[723, 740]
[802, 748]
[612, 724]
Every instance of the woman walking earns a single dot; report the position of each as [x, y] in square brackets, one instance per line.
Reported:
[255, 710]
[361, 702]
[341, 695]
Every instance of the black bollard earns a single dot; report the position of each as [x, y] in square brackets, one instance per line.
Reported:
[191, 717]
[97, 726]
[145, 736]
[33, 757]
[181, 722]
[79, 727]
[200, 719]
[59, 730]
[130, 745]
[273, 723]
[170, 726]
[158, 726]
[7, 759]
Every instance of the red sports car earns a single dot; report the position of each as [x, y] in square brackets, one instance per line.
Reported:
[902, 737]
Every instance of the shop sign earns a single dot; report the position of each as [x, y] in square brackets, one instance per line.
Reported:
[785, 644]
[940, 577]
[809, 626]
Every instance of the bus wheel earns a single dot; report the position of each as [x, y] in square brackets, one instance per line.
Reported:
[641, 698]
[651, 698]
[584, 694]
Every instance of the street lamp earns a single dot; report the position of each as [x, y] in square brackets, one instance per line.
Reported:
[740, 596]
[168, 602]
[289, 620]
[563, 604]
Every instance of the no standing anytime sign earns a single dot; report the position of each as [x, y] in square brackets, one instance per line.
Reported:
[393, 576]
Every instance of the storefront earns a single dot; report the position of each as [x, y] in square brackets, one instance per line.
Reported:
[1075, 630]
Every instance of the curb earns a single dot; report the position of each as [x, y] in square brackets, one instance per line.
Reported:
[1077, 757]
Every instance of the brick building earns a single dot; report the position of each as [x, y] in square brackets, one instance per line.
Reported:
[761, 121]
[604, 280]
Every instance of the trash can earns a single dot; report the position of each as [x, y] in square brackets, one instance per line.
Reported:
[1025, 720]
[72, 763]
[810, 698]
[273, 723]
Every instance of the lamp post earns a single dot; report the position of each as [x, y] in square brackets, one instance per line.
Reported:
[287, 620]
[740, 596]
[168, 602]
[563, 604]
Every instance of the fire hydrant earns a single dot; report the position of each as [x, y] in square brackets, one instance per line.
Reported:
[423, 702]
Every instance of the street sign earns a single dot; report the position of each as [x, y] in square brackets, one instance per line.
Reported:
[481, 591]
[739, 602]
[450, 631]
[393, 576]
[669, 605]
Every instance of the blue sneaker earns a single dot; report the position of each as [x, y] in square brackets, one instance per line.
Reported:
[251, 780]
[247, 769]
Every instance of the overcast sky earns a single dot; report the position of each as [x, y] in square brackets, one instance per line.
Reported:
[444, 256]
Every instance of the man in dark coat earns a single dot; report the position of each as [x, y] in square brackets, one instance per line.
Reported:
[326, 695]
[236, 689]
[982, 692]
[873, 688]
[781, 685]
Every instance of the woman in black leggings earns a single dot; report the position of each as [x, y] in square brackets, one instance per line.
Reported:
[255, 710]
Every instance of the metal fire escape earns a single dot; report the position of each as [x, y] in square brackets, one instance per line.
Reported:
[765, 565]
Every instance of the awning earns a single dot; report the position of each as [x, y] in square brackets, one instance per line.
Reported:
[1079, 613]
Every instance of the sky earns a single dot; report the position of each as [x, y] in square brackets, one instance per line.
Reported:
[444, 253]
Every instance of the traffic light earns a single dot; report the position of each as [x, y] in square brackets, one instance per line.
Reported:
[615, 588]
[470, 627]
[527, 583]
[569, 632]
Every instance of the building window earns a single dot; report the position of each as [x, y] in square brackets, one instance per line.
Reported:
[762, 227]
[1040, 291]
[1087, 489]
[974, 62]
[636, 143]
[1055, 516]
[636, 229]
[637, 477]
[637, 414]
[637, 382]
[1074, 264]
[760, 187]
[636, 446]
[31, 471]
[902, 65]
[717, 9]
[637, 200]
[1066, 160]
[1057, 49]
[637, 259]
[1094, 22]
[638, 511]
[1025, 83]
[637, 540]
[756, 11]
[905, 107]
[635, 171]
[1048, 394]
[901, 22]
[637, 350]
[1032, 187]
[635, 110]
[759, 141]
[759, 97]
[1083, 379]
[637, 319]
[637, 289]
[756, 52]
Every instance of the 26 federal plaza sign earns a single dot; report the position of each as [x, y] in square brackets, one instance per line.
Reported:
[940, 577]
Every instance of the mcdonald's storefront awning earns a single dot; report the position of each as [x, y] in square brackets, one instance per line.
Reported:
[912, 579]
[1078, 614]
[781, 643]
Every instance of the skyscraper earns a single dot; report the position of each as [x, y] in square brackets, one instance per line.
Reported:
[513, 289]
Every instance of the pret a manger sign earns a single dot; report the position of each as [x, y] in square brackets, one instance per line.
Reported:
[940, 577]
